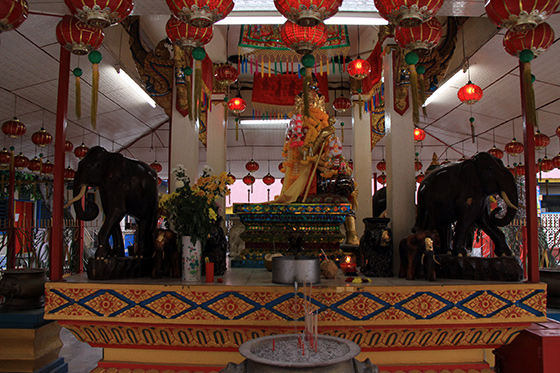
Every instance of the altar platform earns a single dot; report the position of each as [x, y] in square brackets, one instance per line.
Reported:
[401, 326]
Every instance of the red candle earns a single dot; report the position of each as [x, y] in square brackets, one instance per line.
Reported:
[273, 344]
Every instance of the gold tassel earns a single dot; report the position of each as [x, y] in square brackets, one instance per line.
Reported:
[360, 103]
[188, 83]
[529, 94]
[94, 94]
[342, 131]
[78, 98]
[422, 85]
[198, 89]
[236, 129]
[414, 93]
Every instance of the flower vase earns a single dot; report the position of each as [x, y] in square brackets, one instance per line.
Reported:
[191, 260]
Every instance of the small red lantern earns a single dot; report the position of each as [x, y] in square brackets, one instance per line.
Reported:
[5, 157]
[282, 181]
[281, 167]
[269, 179]
[156, 166]
[470, 93]
[68, 146]
[78, 37]
[69, 173]
[407, 13]
[249, 179]
[418, 165]
[200, 13]
[81, 151]
[237, 105]
[520, 15]
[445, 162]
[42, 138]
[252, 166]
[48, 167]
[231, 177]
[226, 74]
[546, 164]
[359, 69]
[420, 177]
[12, 14]
[382, 165]
[514, 147]
[520, 170]
[496, 152]
[537, 40]
[187, 36]
[307, 13]
[556, 161]
[342, 104]
[35, 164]
[100, 13]
[14, 128]
[420, 38]
[419, 134]
[541, 140]
[20, 161]
[382, 179]
[303, 39]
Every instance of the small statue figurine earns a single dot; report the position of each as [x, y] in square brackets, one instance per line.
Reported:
[376, 248]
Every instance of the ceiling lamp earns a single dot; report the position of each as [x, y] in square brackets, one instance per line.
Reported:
[187, 36]
[470, 93]
[417, 164]
[407, 13]
[41, 138]
[307, 13]
[226, 74]
[35, 164]
[498, 153]
[382, 165]
[69, 173]
[420, 38]
[231, 178]
[520, 15]
[303, 40]
[382, 179]
[541, 140]
[68, 146]
[100, 13]
[537, 40]
[81, 151]
[419, 134]
[546, 164]
[514, 147]
[252, 166]
[48, 167]
[12, 14]
[359, 69]
[520, 170]
[269, 179]
[5, 157]
[14, 128]
[20, 161]
[341, 104]
[420, 177]
[249, 179]
[78, 37]
[200, 13]
[556, 161]
[157, 167]
[237, 105]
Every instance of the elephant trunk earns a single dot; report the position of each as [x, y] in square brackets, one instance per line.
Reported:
[510, 198]
[90, 209]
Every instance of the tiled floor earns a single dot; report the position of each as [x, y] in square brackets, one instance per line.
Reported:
[81, 357]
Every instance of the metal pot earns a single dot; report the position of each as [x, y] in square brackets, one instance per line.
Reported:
[303, 269]
[23, 288]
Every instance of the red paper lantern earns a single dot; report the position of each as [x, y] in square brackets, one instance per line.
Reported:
[470, 93]
[541, 140]
[156, 166]
[48, 167]
[78, 37]
[42, 138]
[226, 74]
[14, 128]
[382, 165]
[81, 151]
[269, 179]
[546, 164]
[556, 161]
[5, 157]
[282, 181]
[200, 13]
[69, 173]
[187, 36]
[35, 164]
[12, 14]
[558, 131]
[100, 13]
[382, 179]
[20, 161]
[341, 104]
[514, 147]
[496, 152]
[237, 105]
[520, 170]
[252, 166]
[420, 177]
[68, 146]
[249, 179]
[419, 134]
[418, 165]
[307, 13]
[420, 38]
[231, 177]
[407, 13]
[359, 69]
[537, 40]
[520, 15]
[303, 39]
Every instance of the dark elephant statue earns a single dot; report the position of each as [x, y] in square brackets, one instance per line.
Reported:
[216, 249]
[379, 202]
[417, 256]
[126, 186]
[458, 194]
[167, 258]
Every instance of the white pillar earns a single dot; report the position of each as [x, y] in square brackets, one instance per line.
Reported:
[401, 183]
[362, 164]
[216, 136]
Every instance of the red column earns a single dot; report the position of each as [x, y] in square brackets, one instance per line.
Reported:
[529, 120]
[57, 252]
[11, 250]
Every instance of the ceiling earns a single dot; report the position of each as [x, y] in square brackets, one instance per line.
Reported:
[126, 123]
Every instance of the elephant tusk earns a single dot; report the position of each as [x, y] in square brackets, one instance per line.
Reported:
[78, 197]
[507, 201]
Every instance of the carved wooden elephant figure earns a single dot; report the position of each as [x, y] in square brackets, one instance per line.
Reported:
[167, 258]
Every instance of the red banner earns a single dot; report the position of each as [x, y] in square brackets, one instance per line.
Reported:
[281, 89]
[376, 63]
